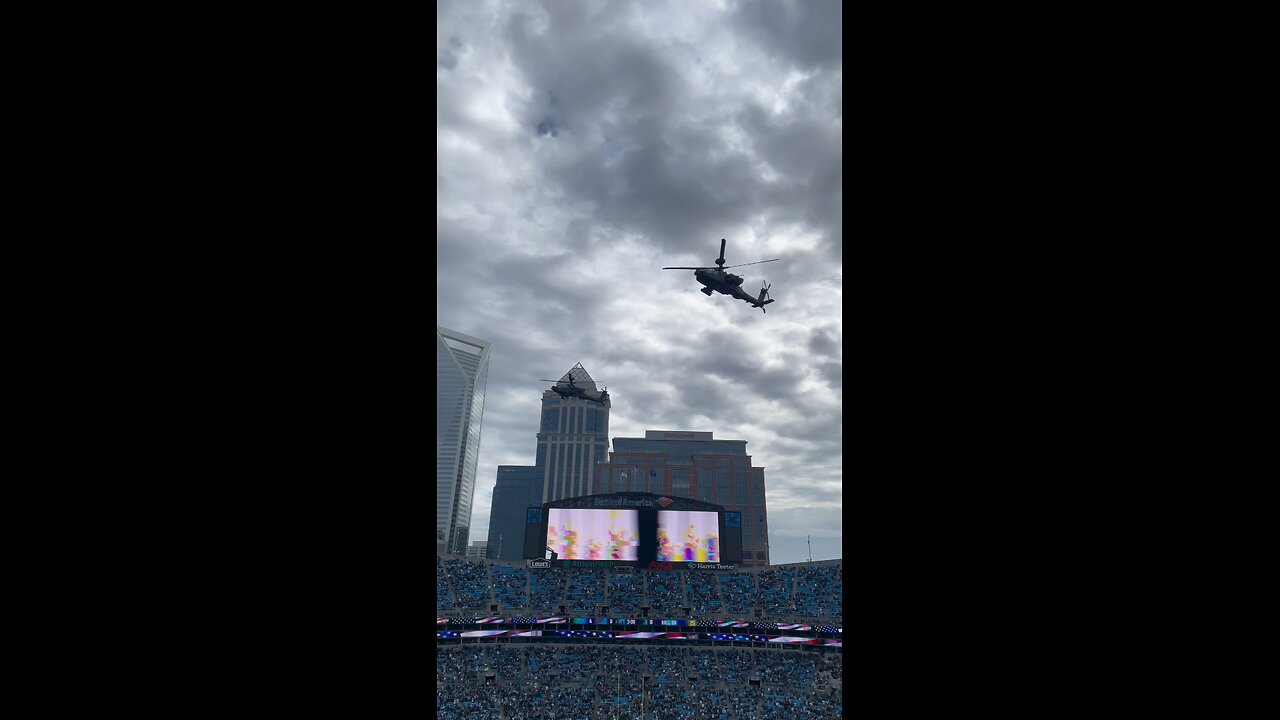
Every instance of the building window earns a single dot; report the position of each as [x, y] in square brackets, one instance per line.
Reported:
[680, 483]
[705, 479]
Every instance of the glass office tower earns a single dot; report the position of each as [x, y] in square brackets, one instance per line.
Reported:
[462, 367]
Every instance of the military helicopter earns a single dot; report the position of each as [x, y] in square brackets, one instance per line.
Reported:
[572, 390]
[726, 283]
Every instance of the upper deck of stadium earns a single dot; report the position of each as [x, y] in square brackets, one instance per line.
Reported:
[809, 591]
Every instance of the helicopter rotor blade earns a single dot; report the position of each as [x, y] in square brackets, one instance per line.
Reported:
[682, 267]
[726, 267]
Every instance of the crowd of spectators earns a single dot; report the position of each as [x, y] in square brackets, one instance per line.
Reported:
[739, 592]
[471, 582]
[599, 682]
[675, 703]
[746, 702]
[535, 700]
[703, 593]
[806, 593]
[546, 590]
[624, 590]
[571, 663]
[586, 591]
[444, 598]
[789, 669]
[789, 706]
[667, 665]
[813, 589]
[776, 590]
[666, 596]
[469, 663]
[510, 587]
[738, 664]
[706, 664]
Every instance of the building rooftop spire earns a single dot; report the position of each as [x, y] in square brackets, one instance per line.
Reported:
[580, 378]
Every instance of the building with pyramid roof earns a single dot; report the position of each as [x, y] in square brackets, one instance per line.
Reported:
[573, 436]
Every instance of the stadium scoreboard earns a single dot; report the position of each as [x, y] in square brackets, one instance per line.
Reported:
[633, 529]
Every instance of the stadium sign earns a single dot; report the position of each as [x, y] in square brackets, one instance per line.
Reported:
[625, 502]
[586, 563]
[712, 566]
[538, 564]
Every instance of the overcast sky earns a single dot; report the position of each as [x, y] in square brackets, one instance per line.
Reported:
[581, 147]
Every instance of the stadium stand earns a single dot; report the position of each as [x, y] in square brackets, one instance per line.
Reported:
[586, 591]
[624, 592]
[470, 582]
[664, 591]
[510, 587]
[546, 590]
[777, 587]
[562, 675]
[739, 591]
[703, 593]
[813, 590]
[444, 598]
[596, 682]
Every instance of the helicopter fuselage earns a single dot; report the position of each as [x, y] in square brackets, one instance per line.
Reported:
[725, 283]
[579, 393]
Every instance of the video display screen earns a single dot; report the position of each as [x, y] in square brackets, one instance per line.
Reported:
[580, 534]
[688, 536]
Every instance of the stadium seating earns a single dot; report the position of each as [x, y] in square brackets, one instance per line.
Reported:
[703, 593]
[790, 593]
[599, 682]
[624, 593]
[444, 598]
[546, 591]
[813, 590]
[739, 591]
[586, 591]
[510, 587]
[777, 587]
[664, 591]
[470, 583]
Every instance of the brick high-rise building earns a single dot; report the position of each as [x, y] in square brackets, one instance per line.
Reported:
[693, 465]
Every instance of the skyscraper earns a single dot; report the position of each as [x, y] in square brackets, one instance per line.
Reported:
[693, 465]
[573, 436]
[512, 494]
[462, 368]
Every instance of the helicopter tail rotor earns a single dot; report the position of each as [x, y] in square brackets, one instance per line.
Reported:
[761, 300]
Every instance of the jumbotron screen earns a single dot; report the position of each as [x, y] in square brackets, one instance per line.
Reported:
[581, 534]
[688, 536]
